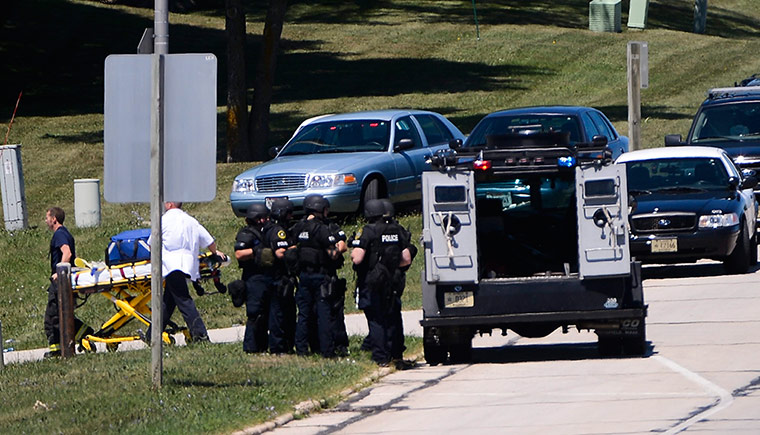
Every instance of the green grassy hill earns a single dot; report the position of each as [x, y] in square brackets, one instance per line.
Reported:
[337, 56]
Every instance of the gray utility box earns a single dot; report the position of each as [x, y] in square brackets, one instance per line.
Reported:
[14, 198]
[637, 14]
[604, 16]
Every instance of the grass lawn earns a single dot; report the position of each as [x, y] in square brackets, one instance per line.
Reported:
[207, 388]
[336, 57]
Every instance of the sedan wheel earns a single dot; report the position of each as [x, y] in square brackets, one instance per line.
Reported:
[753, 251]
[739, 260]
[371, 191]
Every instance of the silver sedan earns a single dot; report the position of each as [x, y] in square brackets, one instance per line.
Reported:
[349, 158]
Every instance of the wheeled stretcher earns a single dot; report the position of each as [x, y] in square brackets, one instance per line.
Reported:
[128, 287]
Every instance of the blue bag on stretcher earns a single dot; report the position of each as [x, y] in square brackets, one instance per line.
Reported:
[128, 246]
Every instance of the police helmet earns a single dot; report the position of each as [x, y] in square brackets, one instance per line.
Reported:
[257, 210]
[315, 203]
[374, 209]
[281, 207]
[390, 211]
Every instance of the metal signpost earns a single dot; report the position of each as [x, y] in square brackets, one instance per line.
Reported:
[160, 48]
[638, 78]
[159, 107]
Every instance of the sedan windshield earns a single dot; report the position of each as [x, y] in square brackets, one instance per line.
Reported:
[727, 122]
[499, 125]
[340, 137]
[678, 175]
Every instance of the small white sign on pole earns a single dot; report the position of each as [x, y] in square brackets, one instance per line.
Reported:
[644, 61]
[189, 128]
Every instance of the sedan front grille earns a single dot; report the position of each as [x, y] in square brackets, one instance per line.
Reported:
[662, 223]
[281, 183]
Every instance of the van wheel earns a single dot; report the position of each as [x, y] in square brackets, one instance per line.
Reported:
[461, 353]
[435, 353]
[636, 344]
[739, 260]
[609, 345]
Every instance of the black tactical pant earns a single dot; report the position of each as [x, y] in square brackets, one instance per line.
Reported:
[383, 316]
[51, 321]
[314, 328]
[282, 319]
[258, 290]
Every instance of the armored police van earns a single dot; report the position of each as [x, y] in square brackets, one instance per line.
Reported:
[528, 233]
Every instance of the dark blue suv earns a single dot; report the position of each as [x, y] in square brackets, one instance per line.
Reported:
[729, 119]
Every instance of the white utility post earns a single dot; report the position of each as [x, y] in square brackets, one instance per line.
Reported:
[634, 94]
[160, 48]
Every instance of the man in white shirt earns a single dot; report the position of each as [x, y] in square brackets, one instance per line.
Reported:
[182, 239]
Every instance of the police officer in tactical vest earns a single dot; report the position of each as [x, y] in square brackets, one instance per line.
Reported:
[380, 250]
[253, 250]
[282, 316]
[320, 252]
[399, 280]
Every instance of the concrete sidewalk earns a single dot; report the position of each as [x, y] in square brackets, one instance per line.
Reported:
[356, 324]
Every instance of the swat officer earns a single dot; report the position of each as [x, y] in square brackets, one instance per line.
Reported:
[282, 316]
[253, 250]
[320, 249]
[399, 281]
[379, 251]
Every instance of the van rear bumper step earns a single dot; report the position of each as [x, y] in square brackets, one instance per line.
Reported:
[559, 317]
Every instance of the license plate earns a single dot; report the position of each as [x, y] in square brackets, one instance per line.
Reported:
[458, 299]
[664, 245]
[268, 201]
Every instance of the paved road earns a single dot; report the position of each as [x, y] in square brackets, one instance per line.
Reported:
[701, 374]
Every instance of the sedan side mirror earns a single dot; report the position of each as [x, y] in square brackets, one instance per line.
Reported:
[749, 182]
[404, 144]
[599, 141]
[673, 140]
[274, 151]
[455, 144]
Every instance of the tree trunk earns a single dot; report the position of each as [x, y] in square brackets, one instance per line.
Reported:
[237, 106]
[258, 123]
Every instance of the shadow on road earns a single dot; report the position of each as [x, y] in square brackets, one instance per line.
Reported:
[687, 270]
[545, 352]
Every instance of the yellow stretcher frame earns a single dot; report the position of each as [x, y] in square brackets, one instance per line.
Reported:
[132, 297]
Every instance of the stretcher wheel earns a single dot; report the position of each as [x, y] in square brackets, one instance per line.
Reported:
[86, 346]
[112, 347]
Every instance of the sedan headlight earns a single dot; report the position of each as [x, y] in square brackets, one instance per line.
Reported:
[244, 185]
[322, 181]
[718, 220]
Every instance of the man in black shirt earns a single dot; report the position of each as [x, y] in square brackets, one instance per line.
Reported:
[62, 250]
